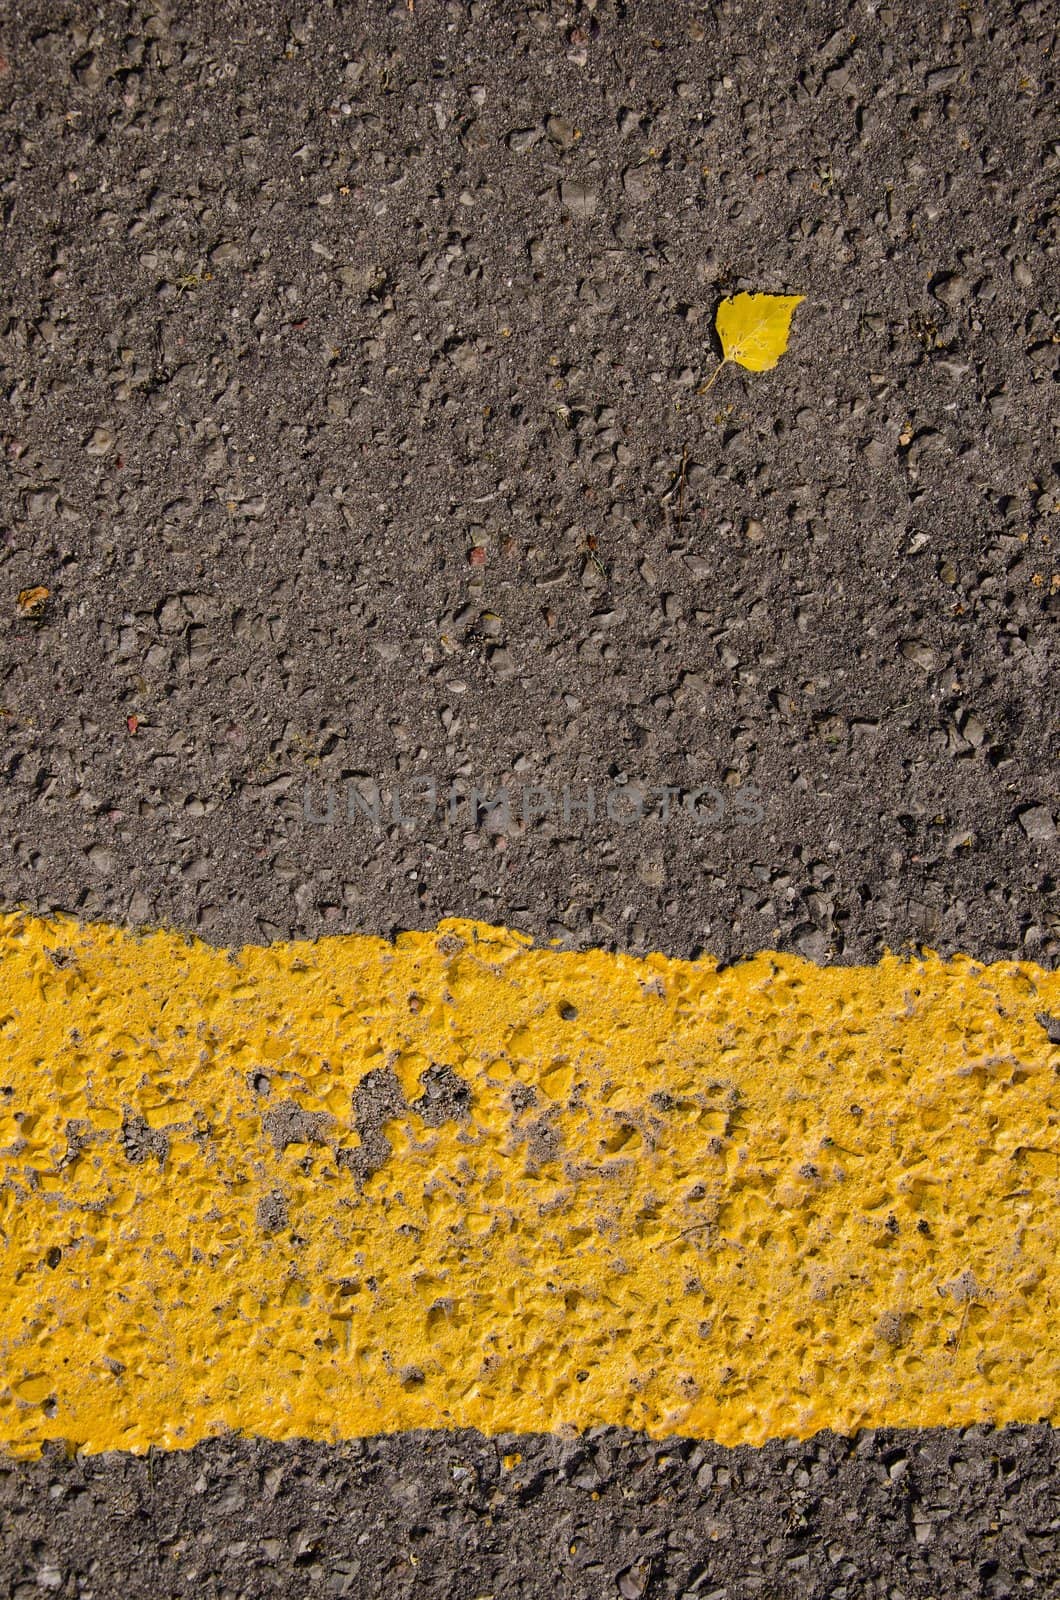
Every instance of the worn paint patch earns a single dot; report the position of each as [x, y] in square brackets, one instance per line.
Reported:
[350, 1187]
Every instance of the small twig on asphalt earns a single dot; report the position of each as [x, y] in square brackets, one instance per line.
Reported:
[591, 550]
[677, 488]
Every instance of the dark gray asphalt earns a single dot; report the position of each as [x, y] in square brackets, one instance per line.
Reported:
[972, 1512]
[350, 417]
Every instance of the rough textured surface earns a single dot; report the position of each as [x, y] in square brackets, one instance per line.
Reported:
[347, 1187]
[350, 418]
[918, 1515]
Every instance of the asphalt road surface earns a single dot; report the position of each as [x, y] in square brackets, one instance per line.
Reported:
[370, 556]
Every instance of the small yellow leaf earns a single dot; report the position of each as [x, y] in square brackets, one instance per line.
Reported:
[753, 328]
[31, 602]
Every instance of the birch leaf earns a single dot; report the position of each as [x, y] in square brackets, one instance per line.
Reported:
[753, 328]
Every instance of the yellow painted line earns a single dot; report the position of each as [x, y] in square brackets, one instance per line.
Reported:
[349, 1187]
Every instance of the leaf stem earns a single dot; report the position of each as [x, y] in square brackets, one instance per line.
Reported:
[712, 380]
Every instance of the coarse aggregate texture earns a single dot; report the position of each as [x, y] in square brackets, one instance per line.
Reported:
[340, 1188]
[350, 416]
[923, 1514]
[348, 413]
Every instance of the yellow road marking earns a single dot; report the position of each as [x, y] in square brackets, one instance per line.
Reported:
[349, 1187]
